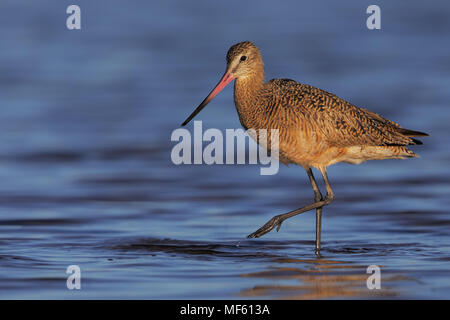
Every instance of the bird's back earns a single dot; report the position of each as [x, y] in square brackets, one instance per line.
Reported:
[317, 128]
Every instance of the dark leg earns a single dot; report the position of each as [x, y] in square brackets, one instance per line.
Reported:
[317, 197]
[318, 229]
[278, 220]
[330, 193]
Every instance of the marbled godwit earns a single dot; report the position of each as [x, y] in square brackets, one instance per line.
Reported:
[316, 128]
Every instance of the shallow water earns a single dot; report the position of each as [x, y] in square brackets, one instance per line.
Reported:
[85, 163]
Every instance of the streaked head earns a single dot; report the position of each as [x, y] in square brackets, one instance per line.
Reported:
[243, 60]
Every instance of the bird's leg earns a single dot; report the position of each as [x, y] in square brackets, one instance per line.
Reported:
[330, 197]
[317, 197]
[278, 219]
[330, 194]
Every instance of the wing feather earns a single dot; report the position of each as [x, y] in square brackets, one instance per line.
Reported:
[340, 122]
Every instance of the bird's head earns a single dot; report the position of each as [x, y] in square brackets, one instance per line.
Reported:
[243, 60]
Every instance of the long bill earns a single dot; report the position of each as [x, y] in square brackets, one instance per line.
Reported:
[226, 79]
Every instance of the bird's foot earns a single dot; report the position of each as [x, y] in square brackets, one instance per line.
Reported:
[317, 252]
[272, 223]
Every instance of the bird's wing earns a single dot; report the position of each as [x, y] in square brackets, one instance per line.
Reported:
[341, 123]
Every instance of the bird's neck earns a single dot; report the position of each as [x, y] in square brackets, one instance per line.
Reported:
[246, 93]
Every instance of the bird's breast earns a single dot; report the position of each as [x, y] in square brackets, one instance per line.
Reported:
[296, 139]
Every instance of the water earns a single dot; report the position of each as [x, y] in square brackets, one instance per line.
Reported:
[85, 153]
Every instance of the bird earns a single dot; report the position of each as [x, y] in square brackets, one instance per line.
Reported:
[316, 128]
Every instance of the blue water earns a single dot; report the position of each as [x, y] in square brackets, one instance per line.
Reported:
[85, 147]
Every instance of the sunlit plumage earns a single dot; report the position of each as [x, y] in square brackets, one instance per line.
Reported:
[316, 128]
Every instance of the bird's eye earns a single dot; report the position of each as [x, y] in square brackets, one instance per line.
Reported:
[243, 58]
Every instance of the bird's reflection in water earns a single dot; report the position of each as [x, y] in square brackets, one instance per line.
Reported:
[319, 278]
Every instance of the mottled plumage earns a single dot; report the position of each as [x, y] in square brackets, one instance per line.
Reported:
[316, 128]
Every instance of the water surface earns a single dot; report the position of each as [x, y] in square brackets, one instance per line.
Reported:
[85, 147]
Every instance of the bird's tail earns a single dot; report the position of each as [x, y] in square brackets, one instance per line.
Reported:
[412, 133]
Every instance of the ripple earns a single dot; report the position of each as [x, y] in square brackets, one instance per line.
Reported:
[41, 222]
[185, 247]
